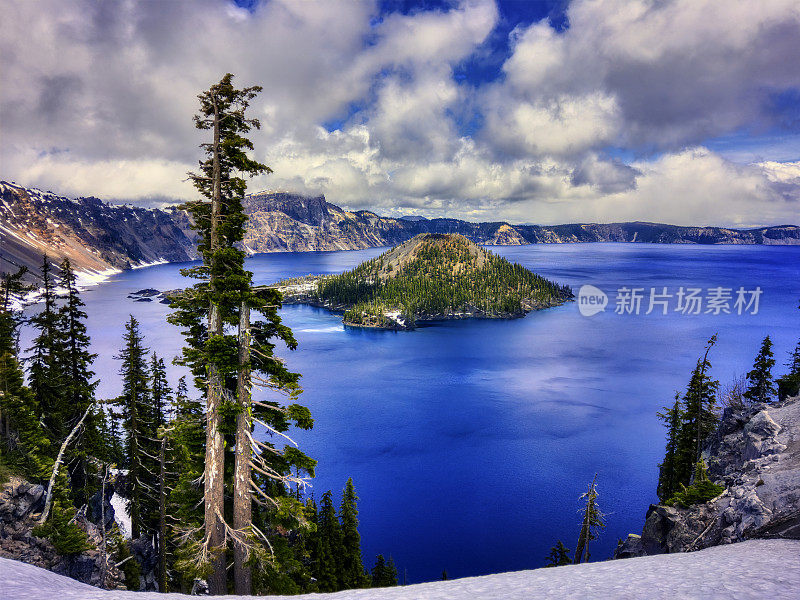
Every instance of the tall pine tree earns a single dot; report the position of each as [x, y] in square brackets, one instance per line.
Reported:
[668, 482]
[43, 368]
[25, 444]
[78, 388]
[352, 575]
[699, 416]
[136, 415]
[761, 385]
[225, 365]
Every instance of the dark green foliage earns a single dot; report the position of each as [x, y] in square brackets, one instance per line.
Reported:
[668, 482]
[384, 574]
[66, 536]
[333, 544]
[689, 421]
[130, 567]
[43, 365]
[702, 489]
[789, 384]
[331, 551]
[26, 446]
[442, 276]
[761, 385]
[559, 556]
[699, 417]
[77, 390]
[352, 567]
[444, 575]
[137, 418]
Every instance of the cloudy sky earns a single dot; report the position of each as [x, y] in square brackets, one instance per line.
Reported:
[681, 111]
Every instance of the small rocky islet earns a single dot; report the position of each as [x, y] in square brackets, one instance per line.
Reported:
[431, 277]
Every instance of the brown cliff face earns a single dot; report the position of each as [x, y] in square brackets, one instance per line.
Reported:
[94, 235]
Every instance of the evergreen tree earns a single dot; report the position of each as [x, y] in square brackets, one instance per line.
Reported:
[137, 422]
[24, 441]
[384, 574]
[699, 418]
[668, 482]
[789, 384]
[43, 368]
[702, 489]
[77, 389]
[225, 365]
[329, 567]
[762, 386]
[186, 497]
[352, 575]
[592, 522]
[160, 392]
[559, 556]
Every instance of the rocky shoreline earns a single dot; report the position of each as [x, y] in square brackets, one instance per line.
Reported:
[302, 290]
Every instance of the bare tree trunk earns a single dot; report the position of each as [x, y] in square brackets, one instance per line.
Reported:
[242, 505]
[162, 518]
[214, 473]
[104, 564]
[49, 498]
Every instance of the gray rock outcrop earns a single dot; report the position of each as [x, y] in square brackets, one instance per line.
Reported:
[21, 503]
[755, 454]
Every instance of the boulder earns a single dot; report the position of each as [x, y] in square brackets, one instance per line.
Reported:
[630, 547]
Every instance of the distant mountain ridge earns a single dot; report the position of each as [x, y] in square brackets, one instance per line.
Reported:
[99, 236]
[290, 222]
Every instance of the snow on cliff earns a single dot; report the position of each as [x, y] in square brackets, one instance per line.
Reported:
[755, 569]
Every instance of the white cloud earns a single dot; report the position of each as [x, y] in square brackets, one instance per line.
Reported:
[97, 98]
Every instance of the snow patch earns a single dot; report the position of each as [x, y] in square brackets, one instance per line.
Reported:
[90, 277]
[750, 570]
[121, 515]
[142, 265]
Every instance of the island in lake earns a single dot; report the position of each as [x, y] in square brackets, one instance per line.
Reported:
[431, 277]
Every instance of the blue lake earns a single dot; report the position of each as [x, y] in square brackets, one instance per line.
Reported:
[469, 442]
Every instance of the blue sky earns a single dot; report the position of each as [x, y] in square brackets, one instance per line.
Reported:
[683, 111]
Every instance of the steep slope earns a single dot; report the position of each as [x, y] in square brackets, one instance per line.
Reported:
[433, 276]
[96, 236]
[748, 571]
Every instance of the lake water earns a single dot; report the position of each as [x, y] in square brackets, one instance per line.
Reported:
[469, 442]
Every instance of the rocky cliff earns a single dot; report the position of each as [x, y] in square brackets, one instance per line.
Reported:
[94, 235]
[20, 505]
[755, 454]
[289, 222]
[101, 237]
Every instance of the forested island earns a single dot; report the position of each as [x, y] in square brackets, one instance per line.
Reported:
[428, 278]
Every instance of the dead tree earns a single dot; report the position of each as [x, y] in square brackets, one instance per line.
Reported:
[59, 459]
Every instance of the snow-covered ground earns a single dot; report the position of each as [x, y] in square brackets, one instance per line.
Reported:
[756, 569]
